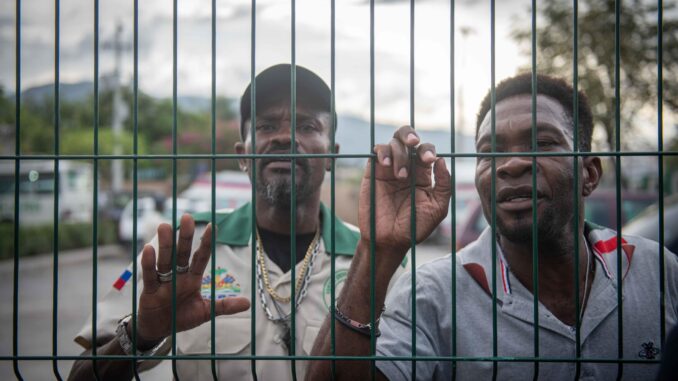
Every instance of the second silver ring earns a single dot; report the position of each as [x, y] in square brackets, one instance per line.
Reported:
[165, 277]
[182, 269]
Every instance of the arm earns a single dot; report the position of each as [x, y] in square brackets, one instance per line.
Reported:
[392, 241]
[154, 318]
[108, 369]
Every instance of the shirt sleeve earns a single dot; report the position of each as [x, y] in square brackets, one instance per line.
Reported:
[396, 329]
[115, 305]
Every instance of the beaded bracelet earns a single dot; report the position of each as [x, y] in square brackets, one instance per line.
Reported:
[365, 329]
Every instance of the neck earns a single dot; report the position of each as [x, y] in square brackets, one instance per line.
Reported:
[278, 219]
[555, 273]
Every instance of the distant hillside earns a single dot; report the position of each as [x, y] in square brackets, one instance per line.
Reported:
[81, 91]
[69, 92]
[353, 134]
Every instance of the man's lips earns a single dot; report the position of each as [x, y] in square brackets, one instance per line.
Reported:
[516, 198]
[282, 165]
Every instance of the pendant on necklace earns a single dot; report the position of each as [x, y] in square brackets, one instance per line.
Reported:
[287, 336]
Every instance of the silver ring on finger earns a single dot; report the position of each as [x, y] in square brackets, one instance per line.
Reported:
[182, 269]
[165, 277]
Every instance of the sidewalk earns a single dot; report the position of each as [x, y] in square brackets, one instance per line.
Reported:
[74, 303]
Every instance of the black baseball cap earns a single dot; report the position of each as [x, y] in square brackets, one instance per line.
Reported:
[274, 85]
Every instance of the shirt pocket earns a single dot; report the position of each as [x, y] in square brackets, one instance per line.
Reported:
[232, 336]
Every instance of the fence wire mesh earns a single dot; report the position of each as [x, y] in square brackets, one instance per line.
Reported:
[20, 361]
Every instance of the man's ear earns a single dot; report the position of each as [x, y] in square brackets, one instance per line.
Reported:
[592, 172]
[240, 150]
[328, 161]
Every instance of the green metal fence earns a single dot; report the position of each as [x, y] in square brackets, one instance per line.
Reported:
[213, 157]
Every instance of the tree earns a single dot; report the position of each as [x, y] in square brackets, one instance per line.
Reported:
[596, 53]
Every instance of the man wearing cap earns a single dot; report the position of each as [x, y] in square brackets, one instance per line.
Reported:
[235, 255]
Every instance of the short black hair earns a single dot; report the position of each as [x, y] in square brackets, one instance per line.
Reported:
[553, 87]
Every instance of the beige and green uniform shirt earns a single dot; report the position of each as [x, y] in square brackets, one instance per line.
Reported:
[234, 273]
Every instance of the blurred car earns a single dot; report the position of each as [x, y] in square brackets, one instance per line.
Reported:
[112, 204]
[601, 209]
[149, 216]
[232, 189]
[466, 198]
[646, 223]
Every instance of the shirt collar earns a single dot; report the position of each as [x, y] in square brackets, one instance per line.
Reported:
[235, 229]
[477, 258]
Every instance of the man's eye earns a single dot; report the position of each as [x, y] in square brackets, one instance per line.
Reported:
[306, 127]
[265, 127]
[545, 144]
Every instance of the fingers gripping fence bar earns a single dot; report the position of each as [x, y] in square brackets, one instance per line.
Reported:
[497, 359]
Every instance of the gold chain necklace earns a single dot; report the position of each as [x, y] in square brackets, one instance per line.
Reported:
[300, 276]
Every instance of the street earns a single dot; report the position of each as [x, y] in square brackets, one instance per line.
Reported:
[74, 306]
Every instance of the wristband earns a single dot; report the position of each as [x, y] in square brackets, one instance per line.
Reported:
[126, 343]
[365, 329]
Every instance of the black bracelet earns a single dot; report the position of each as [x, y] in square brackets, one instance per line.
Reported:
[365, 329]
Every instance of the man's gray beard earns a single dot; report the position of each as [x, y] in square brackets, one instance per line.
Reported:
[279, 193]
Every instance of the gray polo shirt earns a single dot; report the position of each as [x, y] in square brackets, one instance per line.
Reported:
[515, 323]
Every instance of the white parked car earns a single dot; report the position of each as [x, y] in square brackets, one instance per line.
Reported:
[232, 190]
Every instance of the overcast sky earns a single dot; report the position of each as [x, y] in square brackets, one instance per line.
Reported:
[273, 45]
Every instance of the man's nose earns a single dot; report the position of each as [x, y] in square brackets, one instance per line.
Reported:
[283, 135]
[514, 166]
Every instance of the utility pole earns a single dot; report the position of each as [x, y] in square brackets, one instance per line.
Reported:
[461, 107]
[120, 112]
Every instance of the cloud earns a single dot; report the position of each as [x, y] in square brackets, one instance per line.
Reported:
[273, 45]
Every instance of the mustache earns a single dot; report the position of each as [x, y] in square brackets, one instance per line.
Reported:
[283, 149]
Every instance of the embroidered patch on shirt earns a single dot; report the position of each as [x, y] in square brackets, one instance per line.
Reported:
[122, 280]
[225, 285]
[339, 278]
[648, 351]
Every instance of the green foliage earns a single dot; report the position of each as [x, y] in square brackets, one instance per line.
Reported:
[596, 53]
[154, 133]
[40, 239]
[80, 142]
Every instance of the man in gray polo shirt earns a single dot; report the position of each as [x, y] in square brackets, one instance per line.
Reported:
[500, 282]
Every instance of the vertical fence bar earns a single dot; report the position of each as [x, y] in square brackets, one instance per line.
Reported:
[413, 209]
[17, 177]
[213, 195]
[135, 180]
[253, 137]
[174, 185]
[95, 151]
[373, 201]
[293, 194]
[535, 230]
[575, 165]
[660, 164]
[333, 129]
[57, 122]
[618, 175]
[453, 217]
[493, 187]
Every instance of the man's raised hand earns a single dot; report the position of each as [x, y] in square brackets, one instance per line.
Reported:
[392, 191]
[155, 303]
